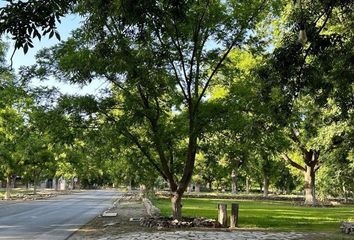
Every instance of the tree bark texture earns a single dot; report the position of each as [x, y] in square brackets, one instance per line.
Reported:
[176, 205]
[310, 194]
[311, 160]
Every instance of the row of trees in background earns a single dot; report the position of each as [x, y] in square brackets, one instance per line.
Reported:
[221, 93]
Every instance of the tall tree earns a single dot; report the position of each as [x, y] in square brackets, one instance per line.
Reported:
[13, 105]
[159, 55]
[304, 70]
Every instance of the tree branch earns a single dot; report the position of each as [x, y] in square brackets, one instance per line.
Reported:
[295, 139]
[228, 50]
[292, 163]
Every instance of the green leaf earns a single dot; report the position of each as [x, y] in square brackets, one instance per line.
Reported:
[25, 48]
[51, 34]
[57, 35]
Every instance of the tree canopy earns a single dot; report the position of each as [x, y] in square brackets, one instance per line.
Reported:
[226, 93]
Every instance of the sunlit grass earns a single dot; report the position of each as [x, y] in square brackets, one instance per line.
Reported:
[270, 215]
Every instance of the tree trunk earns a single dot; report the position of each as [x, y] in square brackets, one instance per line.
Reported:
[197, 187]
[210, 185]
[310, 194]
[178, 190]
[247, 185]
[287, 190]
[14, 182]
[190, 188]
[129, 185]
[176, 205]
[234, 181]
[345, 195]
[8, 188]
[34, 186]
[265, 186]
[56, 183]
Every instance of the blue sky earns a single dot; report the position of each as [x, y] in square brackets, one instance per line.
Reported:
[68, 23]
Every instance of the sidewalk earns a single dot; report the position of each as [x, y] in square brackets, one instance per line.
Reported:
[207, 235]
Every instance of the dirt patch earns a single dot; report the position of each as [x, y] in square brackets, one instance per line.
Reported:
[129, 211]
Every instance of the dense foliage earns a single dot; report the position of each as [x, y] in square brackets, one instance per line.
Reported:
[211, 95]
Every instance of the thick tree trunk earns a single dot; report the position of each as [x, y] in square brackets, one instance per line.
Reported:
[178, 190]
[265, 186]
[311, 166]
[310, 194]
[234, 175]
[8, 188]
[176, 205]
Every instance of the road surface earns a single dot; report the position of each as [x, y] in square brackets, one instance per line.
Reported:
[55, 218]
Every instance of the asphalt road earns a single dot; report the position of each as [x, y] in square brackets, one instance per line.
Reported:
[55, 218]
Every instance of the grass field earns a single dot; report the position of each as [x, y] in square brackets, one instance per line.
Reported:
[269, 215]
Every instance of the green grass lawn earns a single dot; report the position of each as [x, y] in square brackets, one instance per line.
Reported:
[270, 215]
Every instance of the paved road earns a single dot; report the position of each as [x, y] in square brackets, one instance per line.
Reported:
[55, 218]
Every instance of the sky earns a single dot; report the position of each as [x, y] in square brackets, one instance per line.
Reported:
[67, 25]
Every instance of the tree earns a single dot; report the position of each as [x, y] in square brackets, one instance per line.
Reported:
[36, 148]
[158, 57]
[12, 110]
[25, 20]
[38, 160]
[305, 73]
[249, 127]
[336, 179]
